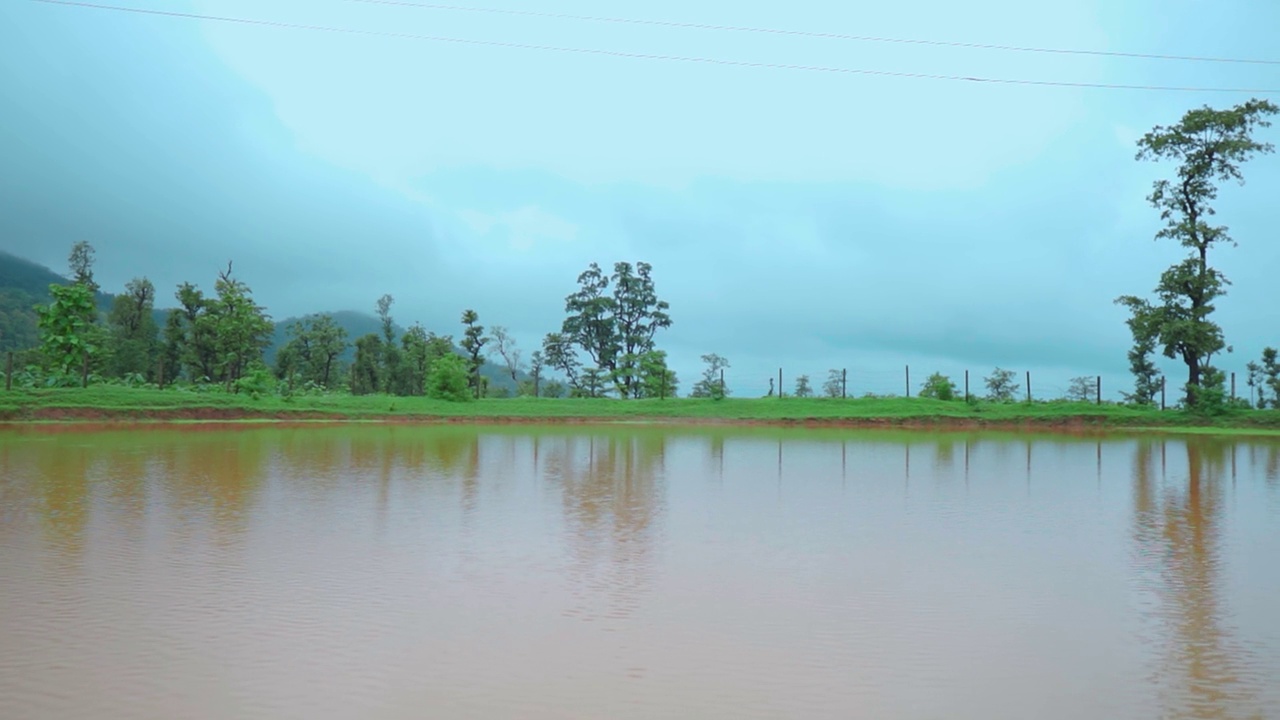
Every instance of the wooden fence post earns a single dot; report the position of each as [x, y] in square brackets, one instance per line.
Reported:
[721, 382]
[966, 386]
[1099, 389]
[1162, 382]
[908, 380]
[779, 383]
[844, 383]
[1028, 386]
[1233, 386]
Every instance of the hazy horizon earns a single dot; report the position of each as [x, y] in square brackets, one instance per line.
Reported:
[798, 219]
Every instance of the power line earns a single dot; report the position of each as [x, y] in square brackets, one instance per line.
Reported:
[810, 33]
[647, 56]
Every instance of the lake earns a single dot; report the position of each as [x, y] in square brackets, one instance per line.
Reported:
[397, 571]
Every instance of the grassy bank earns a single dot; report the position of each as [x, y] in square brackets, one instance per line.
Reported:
[108, 403]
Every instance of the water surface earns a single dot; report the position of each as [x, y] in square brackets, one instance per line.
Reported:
[454, 572]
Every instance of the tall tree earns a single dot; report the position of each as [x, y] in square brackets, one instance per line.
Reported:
[366, 370]
[1209, 146]
[132, 324]
[66, 324]
[590, 323]
[242, 328]
[473, 341]
[638, 315]
[81, 262]
[537, 361]
[199, 350]
[393, 375]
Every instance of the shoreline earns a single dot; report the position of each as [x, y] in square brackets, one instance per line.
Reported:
[177, 416]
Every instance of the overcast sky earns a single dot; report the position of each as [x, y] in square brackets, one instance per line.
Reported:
[804, 219]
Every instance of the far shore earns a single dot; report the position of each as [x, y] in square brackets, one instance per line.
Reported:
[119, 405]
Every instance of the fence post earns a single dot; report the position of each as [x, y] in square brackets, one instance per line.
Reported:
[966, 386]
[84, 371]
[721, 382]
[8, 372]
[779, 383]
[908, 380]
[844, 383]
[1099, 389]
[1162, 381]
[1028, 386]
[1233, 386]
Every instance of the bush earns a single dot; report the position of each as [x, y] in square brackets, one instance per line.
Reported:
[258, 382]
[938, 387]
[448, 380]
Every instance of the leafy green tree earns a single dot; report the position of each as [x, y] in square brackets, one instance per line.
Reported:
[1264, 378]
[710, 386]
[834, 385]
[311, 354]
[554, 389]
[938, 387]
[616, 330]
[590, 323]
[133, 331]
[638, 315]
[1144, 324]
[1001, 385]
[242, 327]
[803, 389]
[65, 326]
[200, 332]
[449, 379]
[591, 383]
[1083, 389]
[559, 353]
[1209, 146]
[366, 370]
[473, 341]
[656, 379]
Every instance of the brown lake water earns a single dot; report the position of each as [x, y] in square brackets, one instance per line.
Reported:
[469, 572]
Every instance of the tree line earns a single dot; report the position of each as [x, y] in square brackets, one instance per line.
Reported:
[219, 340]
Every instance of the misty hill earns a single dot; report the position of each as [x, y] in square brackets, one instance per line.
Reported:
[25, 284]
